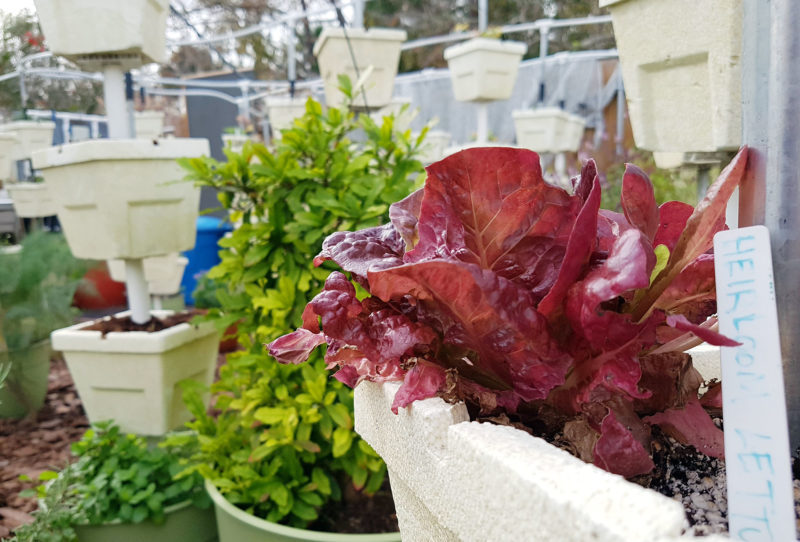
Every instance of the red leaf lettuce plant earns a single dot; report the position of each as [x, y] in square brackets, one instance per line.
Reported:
[493, 287]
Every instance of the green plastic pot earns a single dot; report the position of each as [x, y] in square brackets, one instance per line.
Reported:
[184, 523]
[26, 385]
[236, 525]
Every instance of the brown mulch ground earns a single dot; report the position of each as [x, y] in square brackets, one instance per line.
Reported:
[35, 444]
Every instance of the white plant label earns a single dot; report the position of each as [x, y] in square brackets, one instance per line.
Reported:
[757, 456]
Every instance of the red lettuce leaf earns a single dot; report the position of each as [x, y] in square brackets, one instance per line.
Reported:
[484, 313]
[618, 451]
[358, 252]
[582, 186]
[712, 399]
[295, 347]
[691, 425]
[672, 217]
[671, 380]
[404, 216]
[693, 292]
[639, 201]
[680, 322]
[423, 380]
[581, 244]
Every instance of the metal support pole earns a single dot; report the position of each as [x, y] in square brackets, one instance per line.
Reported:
[783, 194]
[482, 135]
[114, 97]
[483, 15]
[544, 38]
[291, 56]
[358, 14]
[129, 105]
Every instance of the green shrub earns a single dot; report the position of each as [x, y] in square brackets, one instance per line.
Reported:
[281, 442]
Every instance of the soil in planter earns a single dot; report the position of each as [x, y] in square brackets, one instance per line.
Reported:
[359, 513]
[125, 323]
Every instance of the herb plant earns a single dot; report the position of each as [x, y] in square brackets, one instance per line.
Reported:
[491, 286]
[280, 443]
[116, 477]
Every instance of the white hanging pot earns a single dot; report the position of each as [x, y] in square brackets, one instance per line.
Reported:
[376, 48]
[91, 32]
[484, 69]
[402, 110]
[681, 65]
[283, 111]
[548, 130]
[7, 143]
[234, 142]
[149, 124]
[133, 377]
[30, 135]
[123, 198]
[162, 273]
[433, 148]
[31, 200]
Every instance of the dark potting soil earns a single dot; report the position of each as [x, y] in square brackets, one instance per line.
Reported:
[358, 513]
[116, 324]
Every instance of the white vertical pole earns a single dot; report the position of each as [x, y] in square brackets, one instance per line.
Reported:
[114, 96]
[483, 122]
[483, 15]
[358, 14]
[138, 294]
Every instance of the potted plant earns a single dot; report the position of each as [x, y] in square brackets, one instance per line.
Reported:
[37, 282]
[526, 302]
[149, 124]
[685, 97]
[31, 199]
[30, 136]
[484, 69]
[371, 55]
[548, 130]
[279, 446]
[120, 489]
[162, 273]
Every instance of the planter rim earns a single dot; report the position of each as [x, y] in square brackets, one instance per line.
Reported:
[7, 136]
[11, 187]
[387, 34]
[286, 101]
[606, 3]
[485, 44]
[27, 125]
[119, 149]
[149, 114]
[75, 338]
[284, 530]
[543, 112]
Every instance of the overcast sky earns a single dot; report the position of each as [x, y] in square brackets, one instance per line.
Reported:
[14, 6]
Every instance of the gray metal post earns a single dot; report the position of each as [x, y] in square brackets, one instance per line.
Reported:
[483, 15]
[358, 14]
[291, 53]
[544, 41]
[783, 193]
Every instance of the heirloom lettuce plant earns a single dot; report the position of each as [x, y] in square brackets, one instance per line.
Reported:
[493, 287]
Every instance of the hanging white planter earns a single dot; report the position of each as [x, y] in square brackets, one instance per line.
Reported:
[30, 135]
[134, 31]
[452, 478]
[402, 110]
[133, 377]
[162, 273]
[148, 124]
[434, 146]
[234, 142]
[684, 88]
[123, 198]
[376, 49]
[283, 111]
[7, 143]
[31, 200]
[484, 69]
[548, 130]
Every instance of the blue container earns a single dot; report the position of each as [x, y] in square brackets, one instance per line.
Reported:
[204, 255]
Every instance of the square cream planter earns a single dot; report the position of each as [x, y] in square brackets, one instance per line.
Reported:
[123, 198]
[402, 117]
[148, 124]
[31, 200]
[162, 273]
[234, 142]
[376, 48]
[283, 111]
[80, 28]
[681, 65]
[434, 146]
[7, 143]
[484, 69]
[133, 377]
[456, 480]
[31, 136]
[548, 130]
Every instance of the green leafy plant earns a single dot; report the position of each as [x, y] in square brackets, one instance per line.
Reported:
[281, 442]
[116, 478]
[37, 283]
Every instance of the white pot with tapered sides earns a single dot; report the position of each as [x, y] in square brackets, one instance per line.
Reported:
[133, 377]
[548, 130]
[30, 135]
[133, 29]
[148, 124]
[433, 148]
[282, 111]
[7, 143]
[457, 480]
[484, 69]
[681, 65]
[123, 198]
[31, 200]
[376, 52]
[162, 273]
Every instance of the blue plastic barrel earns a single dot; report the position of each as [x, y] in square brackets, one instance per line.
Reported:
[204, 255]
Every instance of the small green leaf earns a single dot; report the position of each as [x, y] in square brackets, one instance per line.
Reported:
[662, 258]
[342, 439]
